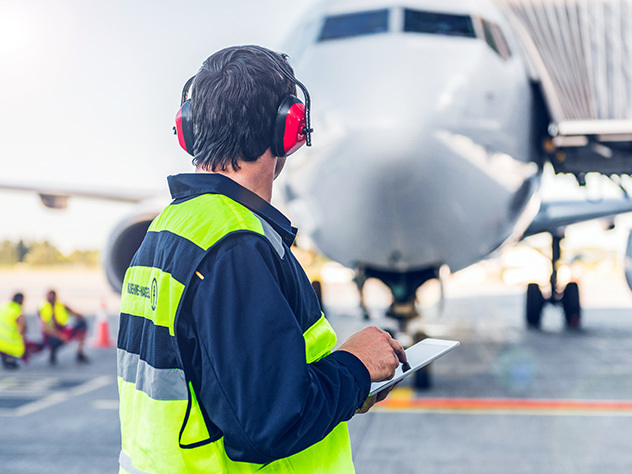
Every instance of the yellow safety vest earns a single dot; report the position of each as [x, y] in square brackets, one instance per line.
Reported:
[162, 427]
[60, 314]
[11, 341]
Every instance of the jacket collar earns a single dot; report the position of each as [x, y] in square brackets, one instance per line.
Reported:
[187, 185]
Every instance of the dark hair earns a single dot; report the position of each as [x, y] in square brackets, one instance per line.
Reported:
[235, 97]
[18, 298]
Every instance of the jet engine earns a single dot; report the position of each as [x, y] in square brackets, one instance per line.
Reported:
[123, 243]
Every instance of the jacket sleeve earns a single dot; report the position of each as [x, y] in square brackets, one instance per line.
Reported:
[247, 357]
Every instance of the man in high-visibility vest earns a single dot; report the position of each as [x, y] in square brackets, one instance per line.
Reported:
[14, 344]
[225, 360]
[12, 331]
[56, 330]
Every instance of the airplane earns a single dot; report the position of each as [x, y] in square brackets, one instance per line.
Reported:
[434, 121]
[433, 131]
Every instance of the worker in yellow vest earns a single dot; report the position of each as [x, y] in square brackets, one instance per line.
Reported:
[14, 344]
[12, 331]
[56, 330]
[226, 363]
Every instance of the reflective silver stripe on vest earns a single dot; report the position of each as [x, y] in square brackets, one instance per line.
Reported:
[159, 384]
[126, 463]
[273, 236]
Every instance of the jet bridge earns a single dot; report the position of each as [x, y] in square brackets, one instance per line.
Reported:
[580, 54]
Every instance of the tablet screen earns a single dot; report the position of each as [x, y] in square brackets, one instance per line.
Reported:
[418, 355]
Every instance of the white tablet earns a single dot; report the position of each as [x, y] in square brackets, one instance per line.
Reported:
[418, 355]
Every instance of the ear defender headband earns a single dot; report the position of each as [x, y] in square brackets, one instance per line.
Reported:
[292, 126]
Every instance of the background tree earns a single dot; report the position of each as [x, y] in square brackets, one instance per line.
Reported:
[43, 253]
[8, 253]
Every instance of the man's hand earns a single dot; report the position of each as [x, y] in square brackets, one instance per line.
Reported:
[377, 350]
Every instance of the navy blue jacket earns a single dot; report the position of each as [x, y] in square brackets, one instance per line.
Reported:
[240, 333]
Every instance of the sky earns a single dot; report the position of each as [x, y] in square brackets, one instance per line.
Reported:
[89, 91]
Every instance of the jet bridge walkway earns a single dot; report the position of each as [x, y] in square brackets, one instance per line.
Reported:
[580, 54]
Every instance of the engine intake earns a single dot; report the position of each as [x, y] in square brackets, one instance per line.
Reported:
[123, 243]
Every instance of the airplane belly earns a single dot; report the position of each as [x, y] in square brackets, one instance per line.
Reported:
[402, 211]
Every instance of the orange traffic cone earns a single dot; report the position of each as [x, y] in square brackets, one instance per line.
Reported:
[102, 334]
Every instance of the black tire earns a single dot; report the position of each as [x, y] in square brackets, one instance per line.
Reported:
[571, 305]
[318, 289]
[423, 378]
[535, 303]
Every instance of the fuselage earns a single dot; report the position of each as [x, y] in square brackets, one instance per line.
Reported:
[424, 150]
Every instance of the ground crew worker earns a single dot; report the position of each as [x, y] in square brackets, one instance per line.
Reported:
[12, 331]
[225, 359]
[14, 344]
[54, 319]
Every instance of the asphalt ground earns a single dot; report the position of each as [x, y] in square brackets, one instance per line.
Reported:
[508, 400]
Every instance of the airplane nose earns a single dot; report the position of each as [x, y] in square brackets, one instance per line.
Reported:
[393, 153]
[403, 197]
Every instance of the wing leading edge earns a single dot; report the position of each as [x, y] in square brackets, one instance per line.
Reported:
[554, 215]
[57, 197]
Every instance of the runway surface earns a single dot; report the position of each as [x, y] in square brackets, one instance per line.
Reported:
[507, 400]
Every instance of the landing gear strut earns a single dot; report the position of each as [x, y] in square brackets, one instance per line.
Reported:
[403, 309]
[568, 298]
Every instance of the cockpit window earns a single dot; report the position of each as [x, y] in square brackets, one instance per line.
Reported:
[354, 24]
[495, 39]
[438, 23]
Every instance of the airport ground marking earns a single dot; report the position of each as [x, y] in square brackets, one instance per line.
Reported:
[507, 406]
[106, 404]
[58, 396]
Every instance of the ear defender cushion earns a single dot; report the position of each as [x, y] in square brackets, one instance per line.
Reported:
[289, 127]
[184, 127]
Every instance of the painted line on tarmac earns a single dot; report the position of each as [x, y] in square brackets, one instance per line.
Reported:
[57, 397]
[22, 385]
[106, 404]
[507, 406]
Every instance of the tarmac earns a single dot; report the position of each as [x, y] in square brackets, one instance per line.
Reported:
[508, 400]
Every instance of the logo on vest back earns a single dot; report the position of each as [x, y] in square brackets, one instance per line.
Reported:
[145, 292]
[154, 294]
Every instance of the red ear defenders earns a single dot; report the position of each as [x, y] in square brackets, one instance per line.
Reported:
[291, 126]
[184, 127]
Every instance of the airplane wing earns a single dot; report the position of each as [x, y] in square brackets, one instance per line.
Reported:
[554, 215]
[56, 197]
[126, 236]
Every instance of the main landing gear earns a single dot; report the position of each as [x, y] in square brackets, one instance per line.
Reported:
[568, 298]
[403, 308]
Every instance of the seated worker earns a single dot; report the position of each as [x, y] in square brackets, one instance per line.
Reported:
[56, 330]
[13, 341]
